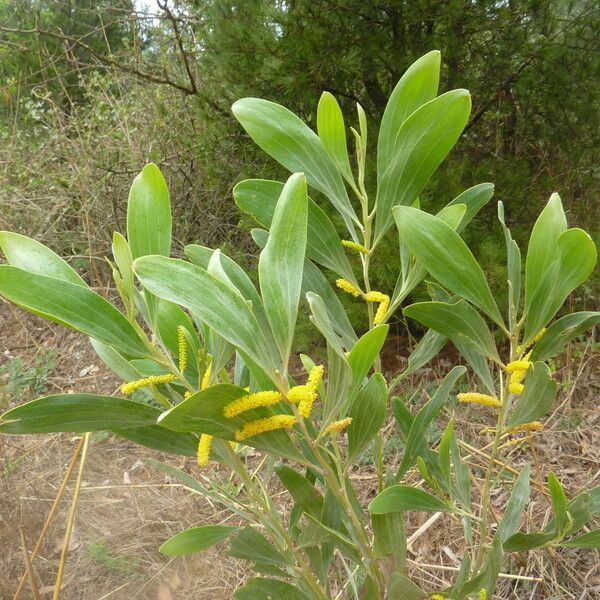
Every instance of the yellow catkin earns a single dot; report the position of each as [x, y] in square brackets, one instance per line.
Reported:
[384, 304]
[483, 594]
[354, 246]
[536, 338]
[206, 377]
[131, 386]
[204, 446]
[482, 399]
[263, 425]
[315, 377]
[183, 353]
[381, 312]
[516, 441]
[187, 395]
[531, 426]
[437, 597]
[517, 365]
[337, 426]
[514, 383]
[347, 287]
[245, 403]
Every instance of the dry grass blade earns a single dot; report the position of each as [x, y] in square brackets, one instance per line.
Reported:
[29, 569]
[51, 514]
[71, 518]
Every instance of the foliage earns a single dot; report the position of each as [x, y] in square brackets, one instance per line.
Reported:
[216, 351]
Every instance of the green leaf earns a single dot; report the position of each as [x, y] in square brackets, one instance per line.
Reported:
[389, 537]
[405, 497]
[115, 361]
[402, 588]
[201, 256]
[72, 305]
[303, 492]
[429, 346]
[203, 412]
[196, 539]
[515, 507]
[538, 395]
[418, 85]
[513, 261]
[316, 534]
[561, 332]
[281, 262]
[559, 502]
[459, 321]
[586, 540]
[541, 251]
[315, 282]
[160, 438]
[520, 542]
[149, 214]
[260, 588]
[78, 413]
[368, 415]
[282, 135]
[422, 143]
[444, 455]
[322, 321]
[332, 132]
[251, 545]
[212, 300]
[363, 355]
[415, 443]
[31, 256]
[576, 259]
[445, 255]
[259, 198]
[474, 199]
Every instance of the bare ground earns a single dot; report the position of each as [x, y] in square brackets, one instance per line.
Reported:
[127, 509]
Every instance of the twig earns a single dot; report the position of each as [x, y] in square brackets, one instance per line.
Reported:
[71, 519]
[51, 514]
[29, 569]
[448, 568]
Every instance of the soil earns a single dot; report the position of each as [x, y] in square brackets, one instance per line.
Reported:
[127, 509]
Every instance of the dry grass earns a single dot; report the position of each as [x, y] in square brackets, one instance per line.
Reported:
[127, 509]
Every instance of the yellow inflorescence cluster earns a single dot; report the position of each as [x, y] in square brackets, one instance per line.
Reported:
[517, 370]
[303, 395]
[523, 348]
[531, 426]
[437, 597]
[337, 426]
[206, 377]
[131, 386]
[347, 287]
[204, 446]
[354, 246]
[384, 303]
[183, 353]
[251, 401]
[263, 425]
[477, 398]
[483, 594]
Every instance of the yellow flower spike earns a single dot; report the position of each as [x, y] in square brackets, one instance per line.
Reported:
[347, 287]
[381, 311]
[437, 597]
[487, 430]
[516, 441]
[376, 297]
[263, 425]
[183, 353]
[517, 365]
[531, 426]
[187, 395]
[482, 399]
[130, 387]
[204, 446]
[315, 377]
[206, 377]
[245, 403]
[536, 338]
[354, 246]
[337, 426]
[514, 384]
[483, 594]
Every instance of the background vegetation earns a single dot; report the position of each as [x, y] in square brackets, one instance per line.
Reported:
[90, 92]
